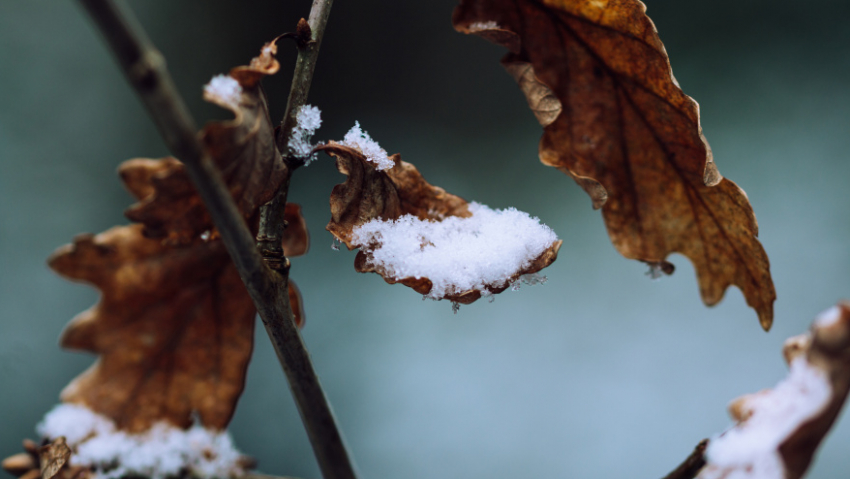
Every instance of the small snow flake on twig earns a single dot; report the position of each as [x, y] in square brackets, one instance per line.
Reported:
[309, 119]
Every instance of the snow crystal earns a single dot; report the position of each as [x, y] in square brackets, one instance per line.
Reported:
[456, 254]
[308, 119]
[361, 141]
[162, 451]
[481, 26]
[750, 449]
[224, 88]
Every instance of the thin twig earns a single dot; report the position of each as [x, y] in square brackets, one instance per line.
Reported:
[692, 465]
[145, 70]
[271, 214]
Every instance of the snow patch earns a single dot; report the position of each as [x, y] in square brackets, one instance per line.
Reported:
[360, 140]
[457, 254]
[482, 26]
[162, 451]
[309, 119]
[225, 89]
[750, 449]
[828, 318]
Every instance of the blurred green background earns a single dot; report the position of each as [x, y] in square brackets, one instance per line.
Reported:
[601, 372]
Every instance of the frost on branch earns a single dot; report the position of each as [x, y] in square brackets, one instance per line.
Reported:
[243, 148]
[416, 234]
[308, 120]
[598, 79]
[779, 429]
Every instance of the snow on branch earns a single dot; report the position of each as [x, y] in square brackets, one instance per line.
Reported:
[308, 120]
[779, 429]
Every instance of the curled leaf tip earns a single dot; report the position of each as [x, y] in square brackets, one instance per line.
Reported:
[599, 81]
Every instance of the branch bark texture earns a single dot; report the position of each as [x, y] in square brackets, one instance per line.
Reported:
[145, 69]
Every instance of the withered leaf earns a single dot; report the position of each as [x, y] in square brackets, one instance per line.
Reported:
[53, 456]
[596, 75]
[243, 149]
[369, 193]
[45, 462]
[173, 329]
[800, 412]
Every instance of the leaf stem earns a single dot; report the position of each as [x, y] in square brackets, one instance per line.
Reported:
[692, 465]
[145, 69]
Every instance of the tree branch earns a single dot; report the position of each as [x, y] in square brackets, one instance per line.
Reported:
[145, 69]
[271, 214]
[692, 465]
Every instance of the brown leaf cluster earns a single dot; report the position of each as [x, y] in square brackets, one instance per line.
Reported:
[369, 193]
[243, 149]
[598, 79]
[826, 348]
[174, 326]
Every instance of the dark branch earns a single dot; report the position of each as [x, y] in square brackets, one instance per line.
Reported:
[692, 465]
[145, 69]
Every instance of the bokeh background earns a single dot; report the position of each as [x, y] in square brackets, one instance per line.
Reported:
[601, 372]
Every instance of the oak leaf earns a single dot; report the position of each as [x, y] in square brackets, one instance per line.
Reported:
[779, 429]
[598, 79]
[173, 329]
[243, 149]
[371, 192]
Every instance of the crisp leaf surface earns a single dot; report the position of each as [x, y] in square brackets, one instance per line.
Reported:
[173, 329]
[598, 79]
[243, 149]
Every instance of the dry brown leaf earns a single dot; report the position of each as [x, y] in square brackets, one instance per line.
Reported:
[45, 462]
[52, 457]
[369, 193]
[598, 79]
[804, 418]
[173, 329]
[243, 149]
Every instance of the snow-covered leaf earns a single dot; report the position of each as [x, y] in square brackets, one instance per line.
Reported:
[417, 234]
[778, 430]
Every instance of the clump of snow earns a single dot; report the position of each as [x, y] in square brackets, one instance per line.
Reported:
[456, 254]
[481, 26]
[308, 120]
[361, 141]
[224, 88]
[828, 317]
[750, 449]
[162, 451]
